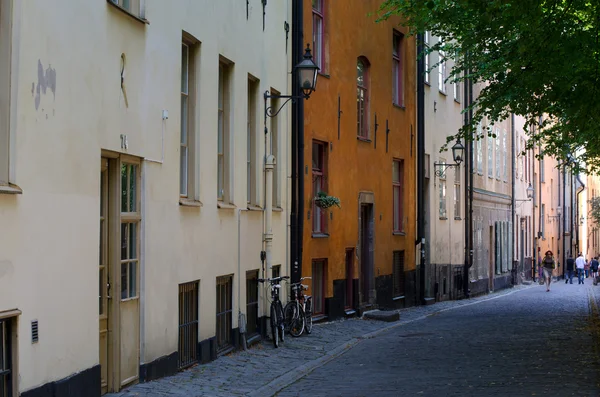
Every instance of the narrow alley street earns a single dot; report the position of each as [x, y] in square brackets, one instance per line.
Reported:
[517, 342]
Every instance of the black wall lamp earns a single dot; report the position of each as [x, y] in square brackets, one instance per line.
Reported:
[307, 75]
[529, 194]
[457, 154]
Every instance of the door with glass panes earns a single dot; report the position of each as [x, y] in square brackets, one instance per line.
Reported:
[119, 307]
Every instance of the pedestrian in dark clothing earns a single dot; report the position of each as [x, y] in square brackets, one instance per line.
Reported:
[549, 266]
[594, 267]
[570, 268]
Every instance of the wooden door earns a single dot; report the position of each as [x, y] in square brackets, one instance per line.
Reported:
[119, 308]
[103, 270]
[128, 271]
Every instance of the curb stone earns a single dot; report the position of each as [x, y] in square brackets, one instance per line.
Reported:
[290, 377]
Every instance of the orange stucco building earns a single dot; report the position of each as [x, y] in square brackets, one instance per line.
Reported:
[360, 146]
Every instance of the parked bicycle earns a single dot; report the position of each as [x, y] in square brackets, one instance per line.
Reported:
[276, 312]
[298, 311]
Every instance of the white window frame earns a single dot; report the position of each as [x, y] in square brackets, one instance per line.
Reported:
[224, 128]
[443, 195]
[442, 71]
[498, 157]
[490, 152]
[251, 142]
[480, 148]
[6, 138]
[427, 58]
[136, 8]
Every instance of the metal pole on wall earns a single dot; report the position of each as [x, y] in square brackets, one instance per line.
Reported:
[421, 163]
[564, 219]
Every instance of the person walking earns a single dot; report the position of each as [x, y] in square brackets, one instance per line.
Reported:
[594, 269]
[580, 264]
[586, 268]
[569, 269]
[549, 265]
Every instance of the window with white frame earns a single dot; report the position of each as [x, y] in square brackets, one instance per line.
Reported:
[223, 133]
[457, 192]
[187, 155]
[5, 73]
[251, 163]
[362, 97]
[318, 13]
[133, 7]
[504, 155]
[456, 85]
[479, 149]
[542, 170]
[498, 156]
[442, 194]
[398, 68]
[426, 39]
[442, 70]
[490, 152]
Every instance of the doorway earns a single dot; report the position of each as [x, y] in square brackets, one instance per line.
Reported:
[367, 293]
[349, 301]
[118, 271]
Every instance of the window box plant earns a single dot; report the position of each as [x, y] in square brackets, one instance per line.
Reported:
[323, 201]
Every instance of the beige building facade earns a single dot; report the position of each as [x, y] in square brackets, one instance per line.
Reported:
[132, 185]
[444, 186]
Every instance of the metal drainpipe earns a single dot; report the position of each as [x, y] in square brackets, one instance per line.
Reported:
[578, 225]
[421, 164]
[468, 86]
[564, 218]
[535, 239]
[512, 197]
[540, 202]
[300, 159]
[297, 139]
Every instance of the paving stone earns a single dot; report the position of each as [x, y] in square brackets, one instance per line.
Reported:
[382, 315]
[514, 342]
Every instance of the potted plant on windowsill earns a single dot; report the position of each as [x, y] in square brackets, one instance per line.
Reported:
[323, 201]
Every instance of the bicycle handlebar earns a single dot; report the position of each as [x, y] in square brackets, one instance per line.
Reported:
[273, 280]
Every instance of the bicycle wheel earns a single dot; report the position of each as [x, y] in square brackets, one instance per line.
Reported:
[287, 315]
[280, 321]
[274, 326]
[308, 323]
[294, 320]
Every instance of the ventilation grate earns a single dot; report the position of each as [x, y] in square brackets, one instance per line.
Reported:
[34, 332]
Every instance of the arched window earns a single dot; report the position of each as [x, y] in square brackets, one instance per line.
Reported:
[362, 97]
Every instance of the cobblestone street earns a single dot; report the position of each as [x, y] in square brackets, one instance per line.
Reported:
[517, 342]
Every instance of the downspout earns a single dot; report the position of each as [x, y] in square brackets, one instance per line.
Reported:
[577, 221]
[297, 212]
[573, 209]
[468, 87]
[298, 123]
[535, 238]
[268, 210]
[540, 233]
[241, 316]
[421, 163]
[512, 196]
[564, 218]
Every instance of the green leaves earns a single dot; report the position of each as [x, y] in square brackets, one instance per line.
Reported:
[533, 58]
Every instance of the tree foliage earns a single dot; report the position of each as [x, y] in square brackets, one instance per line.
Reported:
[531, 57]
[594, 210]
